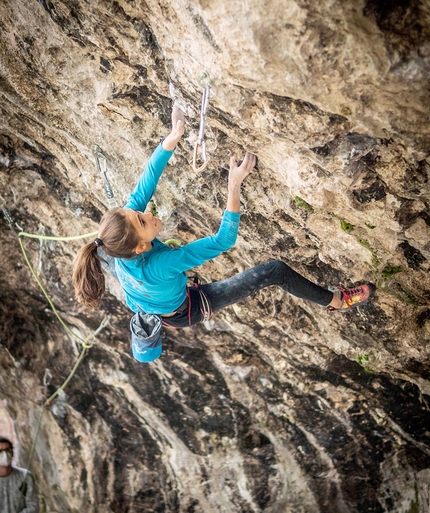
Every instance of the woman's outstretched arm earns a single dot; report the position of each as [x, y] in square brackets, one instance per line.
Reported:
[148, 181]
[170, 263]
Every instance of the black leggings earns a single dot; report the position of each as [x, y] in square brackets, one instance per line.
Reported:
[227, 292]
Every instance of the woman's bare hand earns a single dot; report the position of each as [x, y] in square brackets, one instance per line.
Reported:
[236, 176]
[237, 173]
[178, 128]
[178, 121]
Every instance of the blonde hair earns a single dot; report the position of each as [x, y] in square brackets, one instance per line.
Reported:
[119, 240]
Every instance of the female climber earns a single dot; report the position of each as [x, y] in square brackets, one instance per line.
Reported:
[153, 274]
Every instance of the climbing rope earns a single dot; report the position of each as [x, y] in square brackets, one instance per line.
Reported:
[86, 343]
[205, 82]
[173, 243]
[51, 237]
[46, 381]
[42, 288]
[102, 325]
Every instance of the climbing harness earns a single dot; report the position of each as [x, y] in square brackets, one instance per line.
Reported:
[205, 82]
[183, 315]
[102, 170]
[205, 305]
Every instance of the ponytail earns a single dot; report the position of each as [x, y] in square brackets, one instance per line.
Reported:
[88, 278]
[119, 240]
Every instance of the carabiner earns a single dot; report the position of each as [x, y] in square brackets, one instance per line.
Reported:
[203, 81]
[204, 157]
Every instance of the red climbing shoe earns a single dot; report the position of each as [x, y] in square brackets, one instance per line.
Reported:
[351, 298]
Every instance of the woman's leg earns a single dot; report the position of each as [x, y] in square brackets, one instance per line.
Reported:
[238, 287]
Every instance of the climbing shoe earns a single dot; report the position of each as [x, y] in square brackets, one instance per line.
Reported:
[351, 298]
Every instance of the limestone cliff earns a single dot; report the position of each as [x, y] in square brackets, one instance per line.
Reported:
[275, 405]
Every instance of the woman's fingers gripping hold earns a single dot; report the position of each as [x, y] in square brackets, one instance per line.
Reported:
[239, 173]
[249, 161]
[247, 165]
[178, 120]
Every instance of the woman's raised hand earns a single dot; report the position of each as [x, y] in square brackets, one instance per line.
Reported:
[178, 127]
[178, 121]
[236, 176]
[237, 173]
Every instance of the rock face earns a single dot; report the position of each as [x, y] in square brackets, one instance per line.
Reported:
[275, 405]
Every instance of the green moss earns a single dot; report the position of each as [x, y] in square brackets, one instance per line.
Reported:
[390, 270]
[375, 260]
[400, 293]
[345, 226]
[363, 360]
[364, 242]
[301, 203]
[395, 290]
[415, 504]
[153, 209]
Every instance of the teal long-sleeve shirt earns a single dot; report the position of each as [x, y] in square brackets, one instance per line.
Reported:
[155, 281]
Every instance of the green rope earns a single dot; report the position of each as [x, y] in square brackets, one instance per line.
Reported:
[49, 237]
[86, 343]
[103, 324]
[61, 388]
[173, 242]
[42, 288]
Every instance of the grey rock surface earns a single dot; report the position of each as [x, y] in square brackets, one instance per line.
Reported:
[274, 405]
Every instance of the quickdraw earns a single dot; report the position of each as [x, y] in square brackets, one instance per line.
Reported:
[205, 82]
[9, 220]
[8, 217]
[102, 170]
[206, 308]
